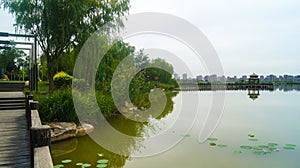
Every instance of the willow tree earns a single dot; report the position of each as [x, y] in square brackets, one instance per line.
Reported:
[61, 25]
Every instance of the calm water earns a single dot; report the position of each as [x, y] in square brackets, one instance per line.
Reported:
[273, 117]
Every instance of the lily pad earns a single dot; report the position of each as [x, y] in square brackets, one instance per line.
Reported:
[259, 152]
[86, 165]
[79, 164]
[66, 161]
[291, 145]
[102, 161]
[272, 144]
[212, 139]
[101, 165]
[289, 148]
[256, 148]
[253, 139]
[246, 147]
[276, 150]
[222, 145]
[237, 152]
[58, 166]
[263, 146]
[272, 148]
[212, 144]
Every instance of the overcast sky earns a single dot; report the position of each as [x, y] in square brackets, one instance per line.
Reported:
[261, 36]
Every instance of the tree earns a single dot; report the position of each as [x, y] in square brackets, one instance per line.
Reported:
[12, 60]
[61, 25]
[161, 71]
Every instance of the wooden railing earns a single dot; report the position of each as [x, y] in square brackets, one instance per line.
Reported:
[40, 136]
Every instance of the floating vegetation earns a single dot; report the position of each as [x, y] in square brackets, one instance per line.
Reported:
[86, 165]
[101, 165]
[263, 146]
[253, 139]
[289, 148]
[259, 152]
[272, 148]
[102, 161]
[272, 144]
[237, 152]
[212, 144]
[276, 150]
[59, 166]
[66, 161]
[212, 139]
[251, 135]
[79, 164]
[246, 147]
[222, 145]
[291, 145]
[256, 148]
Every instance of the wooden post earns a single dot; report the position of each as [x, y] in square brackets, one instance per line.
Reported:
[34, 105]
[28, 110]
[41, 136]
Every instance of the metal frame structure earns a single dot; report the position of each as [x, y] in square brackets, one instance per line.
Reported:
[33, 67]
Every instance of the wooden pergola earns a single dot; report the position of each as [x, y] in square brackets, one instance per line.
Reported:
[33, 67]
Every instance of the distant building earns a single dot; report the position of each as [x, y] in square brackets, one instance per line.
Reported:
[213, 77]
[176, 76]
[199, 78]
[206, 78]
[297, 78]
[244, 77]
[261, 78]
[184, 76]
[222, 78]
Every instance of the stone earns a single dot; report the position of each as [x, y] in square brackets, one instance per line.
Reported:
[62, 130]
[84, 129]
[65, 130]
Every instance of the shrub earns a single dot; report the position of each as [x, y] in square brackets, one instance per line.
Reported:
[62, 79]
[80, 84]
[57, 108]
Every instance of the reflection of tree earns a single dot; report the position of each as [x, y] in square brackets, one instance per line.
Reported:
[87, 149]
[286, 88]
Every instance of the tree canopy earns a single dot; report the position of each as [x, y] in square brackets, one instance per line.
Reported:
[61, 25]
[12, 60]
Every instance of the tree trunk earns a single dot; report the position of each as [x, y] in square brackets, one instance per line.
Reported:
[50, 76]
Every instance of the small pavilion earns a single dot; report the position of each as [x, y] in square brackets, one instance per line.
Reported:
[253, 79]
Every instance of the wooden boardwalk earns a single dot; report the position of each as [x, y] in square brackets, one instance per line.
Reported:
[14, 133]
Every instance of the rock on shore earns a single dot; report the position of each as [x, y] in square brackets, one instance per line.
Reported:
[64, 130]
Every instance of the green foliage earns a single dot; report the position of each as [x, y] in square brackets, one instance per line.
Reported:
[80, 84]
[61, 26]
[58, 107]
[106, 104]
[12, 61]
[62, 79]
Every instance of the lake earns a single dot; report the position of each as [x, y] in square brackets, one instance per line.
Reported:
[272, 118]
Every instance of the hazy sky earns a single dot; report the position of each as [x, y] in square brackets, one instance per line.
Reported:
[261, 36]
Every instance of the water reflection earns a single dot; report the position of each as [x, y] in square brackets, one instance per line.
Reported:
[85, 149]
[253, 94]
[281, 128]
[287, 88]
